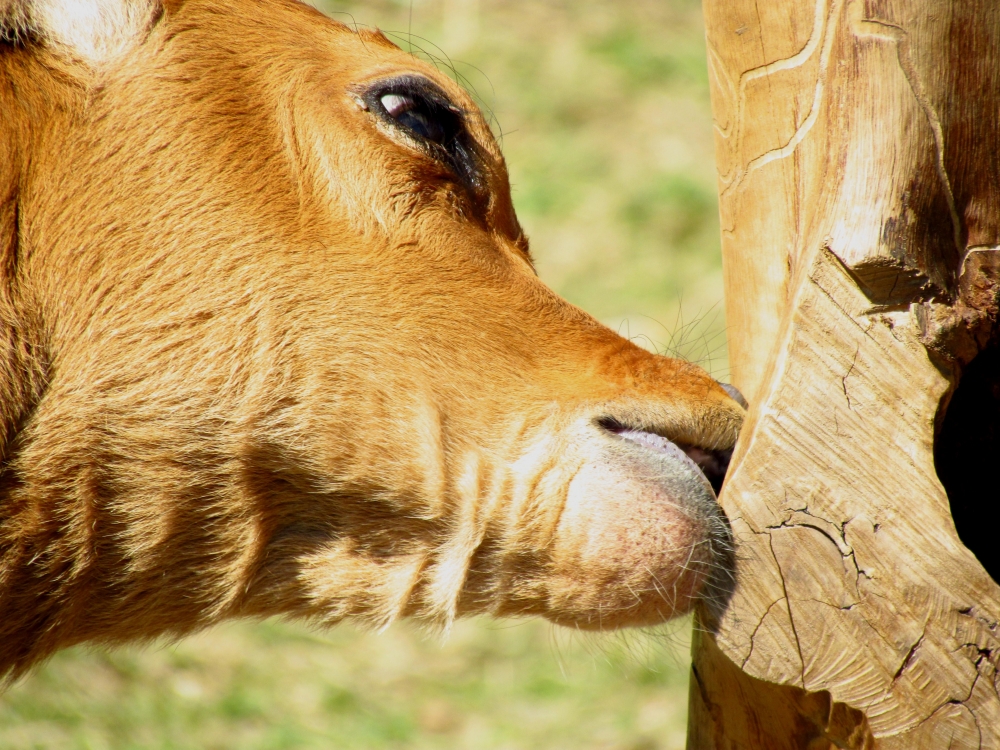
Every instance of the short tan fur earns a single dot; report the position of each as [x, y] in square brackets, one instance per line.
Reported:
[263, 351]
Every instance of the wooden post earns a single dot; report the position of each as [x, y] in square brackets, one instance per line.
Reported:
[858, 152]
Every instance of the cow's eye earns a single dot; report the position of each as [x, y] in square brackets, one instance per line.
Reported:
[422, 118]
[416, 108]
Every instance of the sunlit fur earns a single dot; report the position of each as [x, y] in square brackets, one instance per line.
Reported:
[96, 31]
[261, 355]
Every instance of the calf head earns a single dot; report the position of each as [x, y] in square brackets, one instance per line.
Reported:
[271, 342]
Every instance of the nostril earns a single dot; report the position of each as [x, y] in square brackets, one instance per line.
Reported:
[611, 425]
[735, 394]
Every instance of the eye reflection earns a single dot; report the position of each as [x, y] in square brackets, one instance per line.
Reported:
[416, 115]
[396, 104]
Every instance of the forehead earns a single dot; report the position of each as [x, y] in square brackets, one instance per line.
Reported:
[295, 43]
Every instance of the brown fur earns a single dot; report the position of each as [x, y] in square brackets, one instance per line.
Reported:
[260, 356]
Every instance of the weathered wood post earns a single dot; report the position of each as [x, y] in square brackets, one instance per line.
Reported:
[858, 152]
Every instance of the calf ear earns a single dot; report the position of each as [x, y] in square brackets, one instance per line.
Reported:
[94, 31]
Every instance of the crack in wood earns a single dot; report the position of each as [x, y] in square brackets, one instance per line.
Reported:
[791, 617]
[843, 380]
[909, 655]
[972, 612]
[757, 628]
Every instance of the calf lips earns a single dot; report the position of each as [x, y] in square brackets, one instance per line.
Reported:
[654, 544]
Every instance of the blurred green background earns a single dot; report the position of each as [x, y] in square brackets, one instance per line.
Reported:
[602, 108]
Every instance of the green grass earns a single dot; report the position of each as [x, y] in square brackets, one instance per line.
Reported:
[603, 111]
[275, 685]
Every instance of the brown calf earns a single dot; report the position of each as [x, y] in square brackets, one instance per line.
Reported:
[271, 343]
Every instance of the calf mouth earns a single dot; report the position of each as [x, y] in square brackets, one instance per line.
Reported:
[640, 537]
[712, 464]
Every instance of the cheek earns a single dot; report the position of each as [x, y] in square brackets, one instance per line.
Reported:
[634, 545]
[353, 181]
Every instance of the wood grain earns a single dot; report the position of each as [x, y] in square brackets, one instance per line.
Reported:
[859, 187]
